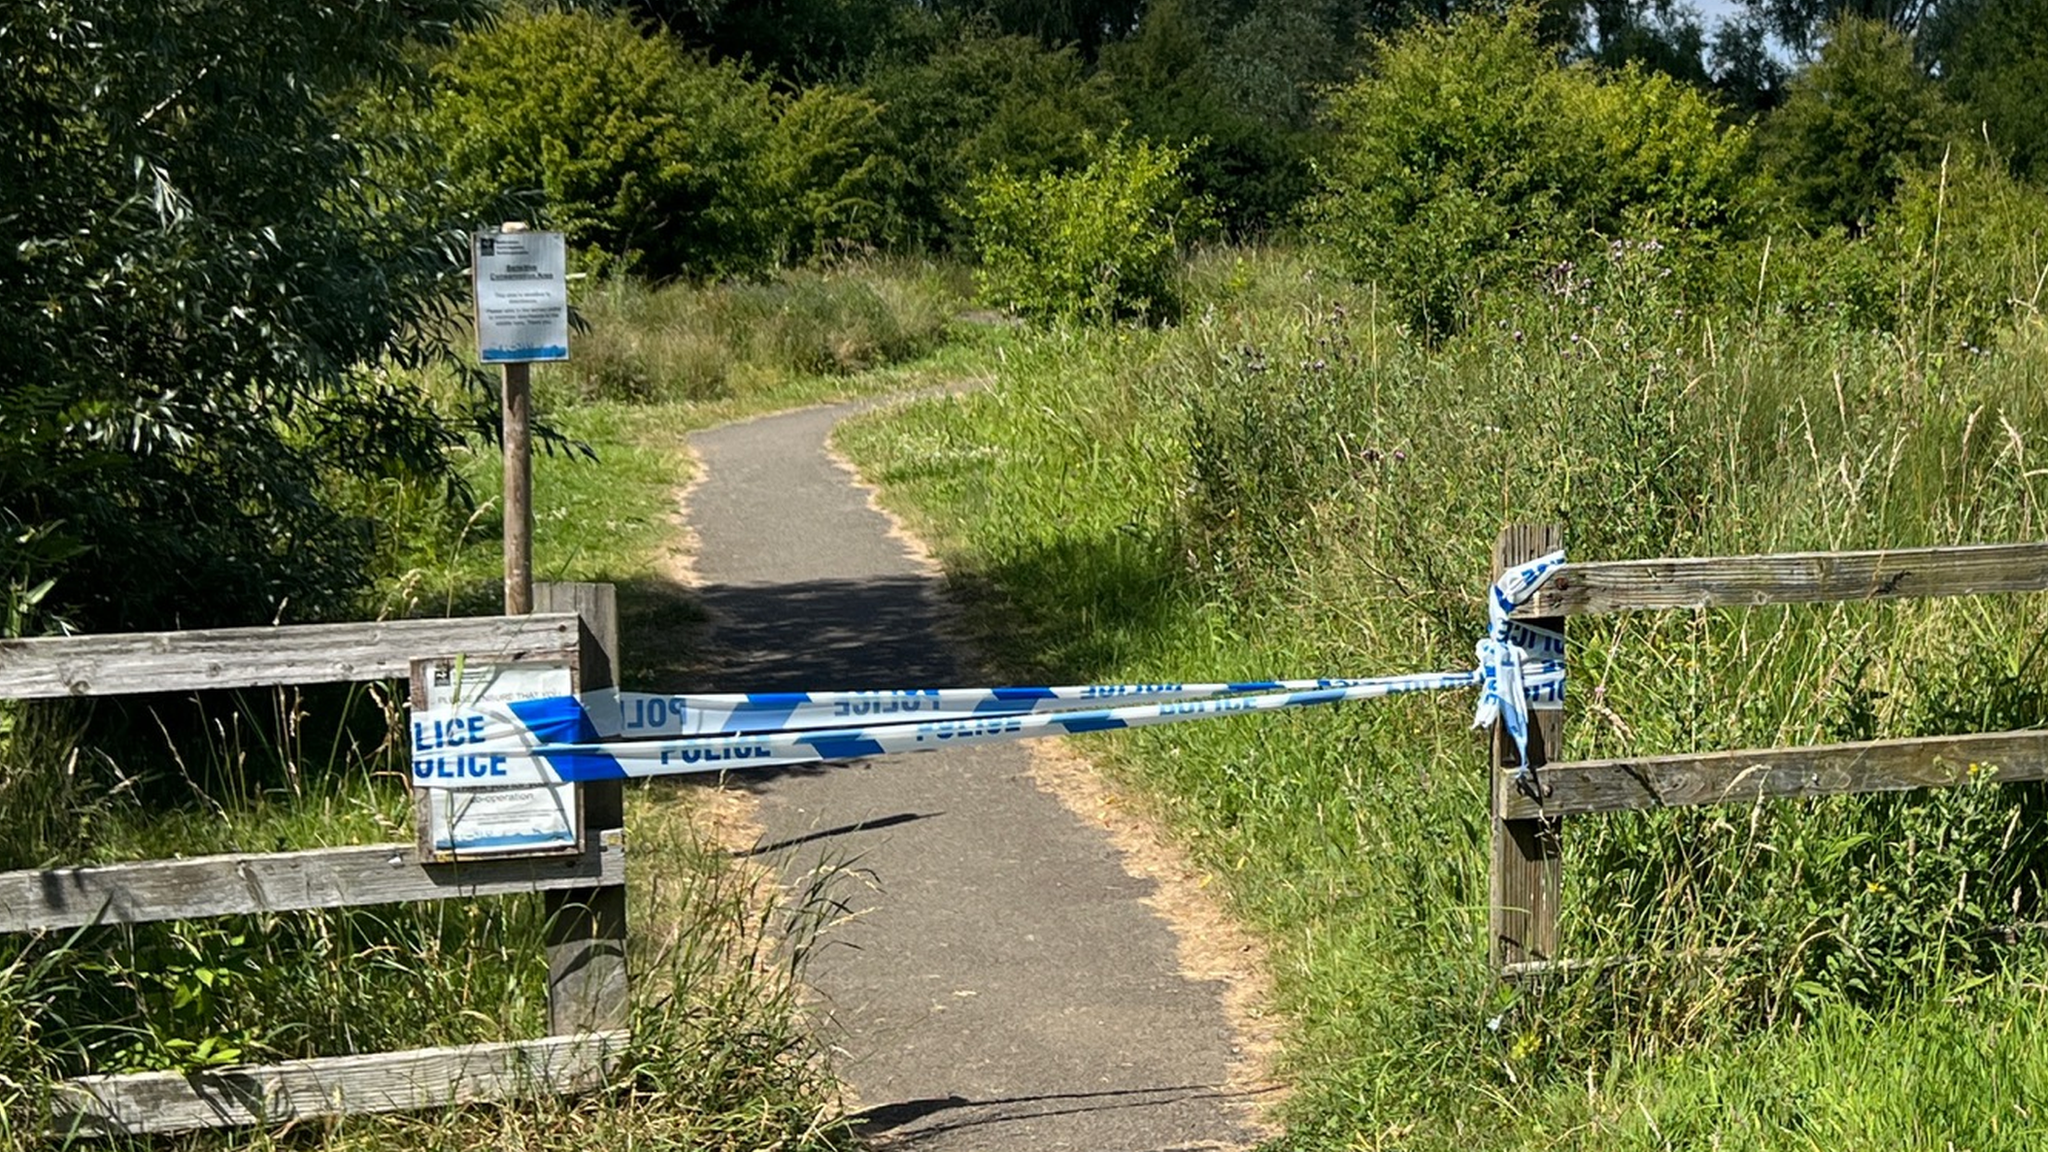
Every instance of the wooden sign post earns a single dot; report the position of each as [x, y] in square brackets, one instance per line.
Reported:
[522, 315]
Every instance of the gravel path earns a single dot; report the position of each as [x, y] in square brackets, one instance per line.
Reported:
[1003, 987]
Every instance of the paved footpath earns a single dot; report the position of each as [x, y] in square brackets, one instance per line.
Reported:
[1003, 987]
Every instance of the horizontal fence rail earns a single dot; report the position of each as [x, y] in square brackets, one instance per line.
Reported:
[1532, 804]
[325, 1086]
[1586, 786]
[282, 882]
[1789, 578]
[140, 662]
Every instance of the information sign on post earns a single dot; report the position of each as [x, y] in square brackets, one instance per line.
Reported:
[514, 821]
[522, 296]
[522, 315]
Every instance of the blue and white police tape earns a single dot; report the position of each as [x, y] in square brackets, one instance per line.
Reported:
[609, 714]
[450, 758]
[565, 738]
[1507, 652]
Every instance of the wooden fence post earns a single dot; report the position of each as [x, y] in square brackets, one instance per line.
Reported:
[1527, 867]
[587, 983]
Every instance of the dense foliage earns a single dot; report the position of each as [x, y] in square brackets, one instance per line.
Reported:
[640, 150]
[1098, 244]
[1854, 124]
[195, 273]
[1470, 157]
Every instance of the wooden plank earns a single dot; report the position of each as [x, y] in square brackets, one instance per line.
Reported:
[1747, 776]
[123, 664]
[420, 1078]
[282, 882]
[1790, 578]
[588, 989]
[1527, 872]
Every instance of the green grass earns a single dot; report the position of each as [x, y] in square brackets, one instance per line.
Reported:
[1287, 485]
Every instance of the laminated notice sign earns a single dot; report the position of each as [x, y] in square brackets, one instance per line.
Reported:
[522, 296]
[477, 819]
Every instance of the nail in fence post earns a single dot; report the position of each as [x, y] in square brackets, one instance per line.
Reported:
[587, 979]
[1527, 867]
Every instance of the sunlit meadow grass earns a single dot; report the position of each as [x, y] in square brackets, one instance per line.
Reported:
[1287, 486]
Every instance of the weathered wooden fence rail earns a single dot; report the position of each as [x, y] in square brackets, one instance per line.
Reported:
[576, 627]
[1528, 819]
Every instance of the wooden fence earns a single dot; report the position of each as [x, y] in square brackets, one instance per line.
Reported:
[1528, 823]
[576, 627]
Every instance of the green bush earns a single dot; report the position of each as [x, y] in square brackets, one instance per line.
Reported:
[980, 103]
[830, 176]
[1091, 245]
[639, 149]
[1854, 123]
[1957, 255]
[1971, 246]
[192, 263]
[1469, 156]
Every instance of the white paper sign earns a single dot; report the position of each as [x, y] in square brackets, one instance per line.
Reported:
[470, 822]
[522, 296]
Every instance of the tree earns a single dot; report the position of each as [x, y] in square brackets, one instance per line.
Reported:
[800, 41]
[1992, 56]
[1468, 155]
[1237, 91]
[1854, 121]
[980, 102]
[637, 148]
[1805, 25]
[195, 267]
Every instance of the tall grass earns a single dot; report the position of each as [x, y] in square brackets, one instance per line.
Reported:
[719, 1056]
[1289, 485]
[685, 342]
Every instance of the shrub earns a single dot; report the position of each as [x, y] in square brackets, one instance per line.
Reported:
[1093, 245]
[638, 148]
[980, 103]
[1469, 156]
[1853, 124]
[1970, 244]
[191, 262]
[830, 175]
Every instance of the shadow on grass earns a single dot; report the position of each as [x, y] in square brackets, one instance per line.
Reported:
[1075, 608]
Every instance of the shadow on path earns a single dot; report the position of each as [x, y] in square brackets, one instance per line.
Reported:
[896, 1126]
[872, 825]
[826, 635]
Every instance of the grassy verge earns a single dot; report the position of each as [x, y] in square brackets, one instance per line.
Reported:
[1287, 485]
[719, 1060]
